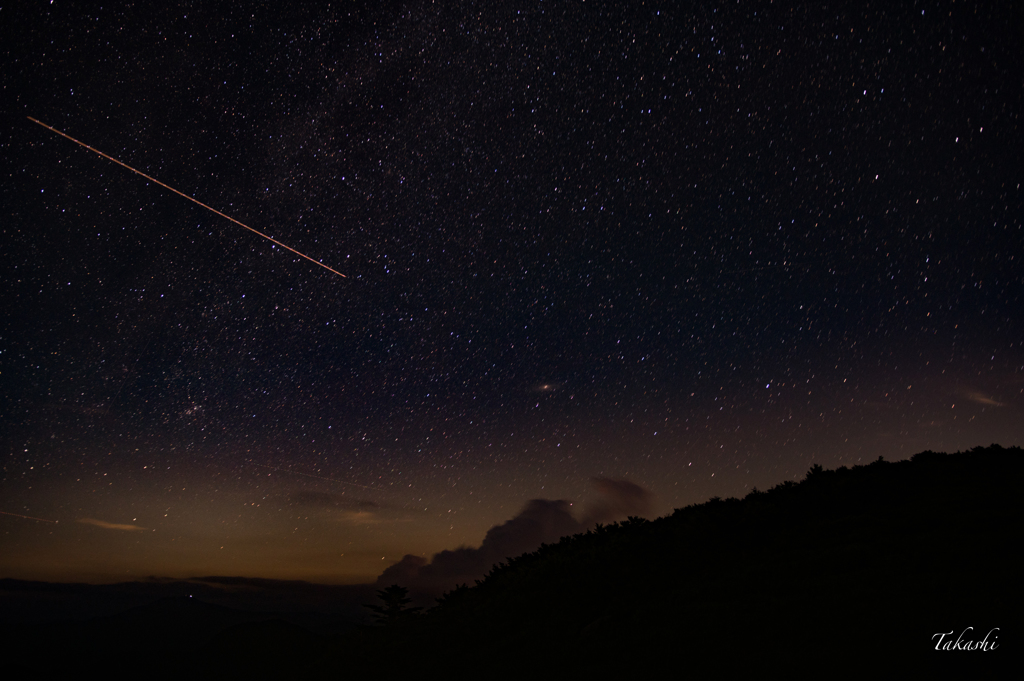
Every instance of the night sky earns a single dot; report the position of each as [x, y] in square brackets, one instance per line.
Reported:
[690, 246]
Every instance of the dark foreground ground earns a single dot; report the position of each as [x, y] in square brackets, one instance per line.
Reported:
[849, 571]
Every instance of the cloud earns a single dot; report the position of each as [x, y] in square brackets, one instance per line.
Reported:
[329, 500]
[111, 526]
[980, 398]
[405, 571]
[541, 521]
[343, 509]
[356, 517]
[619, 499]
[315, 499]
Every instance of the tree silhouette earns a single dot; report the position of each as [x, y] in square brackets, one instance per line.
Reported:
[395, 599]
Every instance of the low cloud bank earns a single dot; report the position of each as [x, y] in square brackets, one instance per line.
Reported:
[982, 398]
[542, 521]
[112, 526]
[344, 509]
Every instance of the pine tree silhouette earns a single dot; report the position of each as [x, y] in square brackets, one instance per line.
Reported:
[395, 599]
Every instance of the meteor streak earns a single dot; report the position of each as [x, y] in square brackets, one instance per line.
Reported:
[182, 194]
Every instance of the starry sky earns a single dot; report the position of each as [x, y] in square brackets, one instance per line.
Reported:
[697, 247]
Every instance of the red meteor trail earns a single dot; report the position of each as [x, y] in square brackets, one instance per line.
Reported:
[167, 186]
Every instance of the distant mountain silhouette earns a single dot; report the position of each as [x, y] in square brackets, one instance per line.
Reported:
[172, 638]
[24, 602]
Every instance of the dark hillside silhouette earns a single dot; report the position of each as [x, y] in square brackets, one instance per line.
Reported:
[863, 563]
